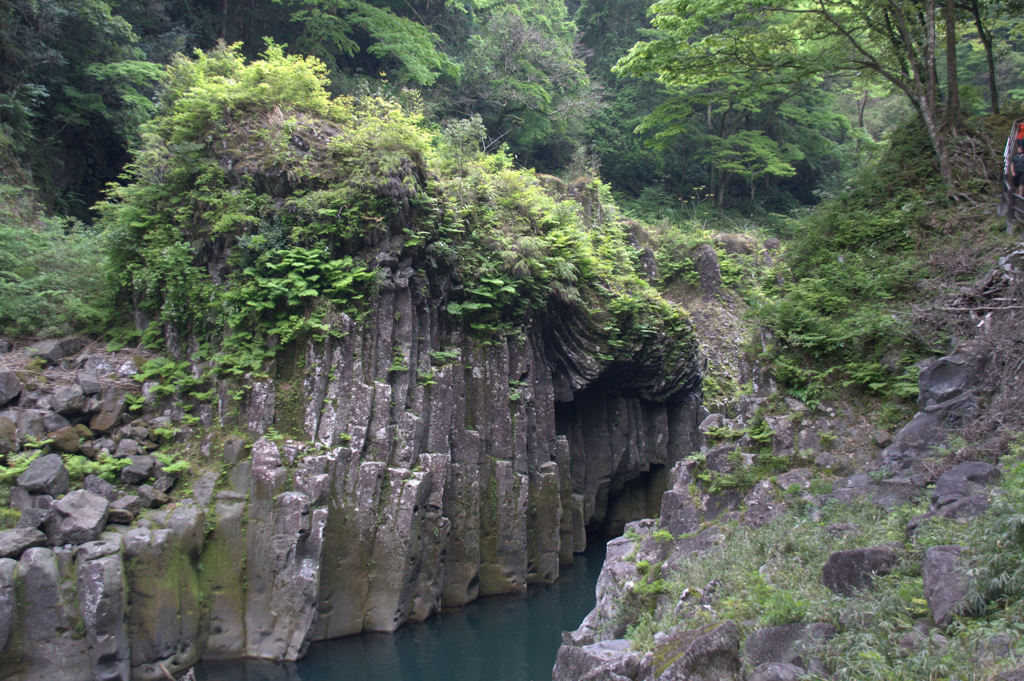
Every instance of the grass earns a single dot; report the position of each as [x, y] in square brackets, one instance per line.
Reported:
[772, 576]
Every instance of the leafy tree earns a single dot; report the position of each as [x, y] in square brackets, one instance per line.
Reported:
[74, 88]
[784, 41]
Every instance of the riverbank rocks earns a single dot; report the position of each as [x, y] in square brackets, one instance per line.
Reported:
[846, 572]
[602, 661]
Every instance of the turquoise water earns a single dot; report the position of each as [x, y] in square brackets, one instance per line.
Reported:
[494, 639]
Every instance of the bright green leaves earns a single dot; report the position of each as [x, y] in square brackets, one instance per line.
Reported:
[274, 296]
[203, 96]
[329, 25]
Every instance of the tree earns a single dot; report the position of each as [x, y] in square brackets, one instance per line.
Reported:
[74, 88]
[738, 89]
[793, 39]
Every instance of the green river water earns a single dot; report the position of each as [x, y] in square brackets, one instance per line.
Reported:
[493, 639]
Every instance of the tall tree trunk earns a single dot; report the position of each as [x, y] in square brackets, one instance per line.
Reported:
[928, 107]
[952, 81]
[986, 41]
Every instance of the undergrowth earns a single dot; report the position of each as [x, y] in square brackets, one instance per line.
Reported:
[772, 576]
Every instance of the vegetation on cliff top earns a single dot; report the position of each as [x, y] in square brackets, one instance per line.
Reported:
[302, 190]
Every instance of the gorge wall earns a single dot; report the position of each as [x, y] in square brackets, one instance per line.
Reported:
[396, 469]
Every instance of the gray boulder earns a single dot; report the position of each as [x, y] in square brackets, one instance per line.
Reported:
[98, 485]
[923, 432]
[963, 480]
[10, 387]
[52, 422]
[15, 542]
[34, 518]
[110, 410]
[789, 643]
[55, 350]
[128, 447]
[152, 498]
[138, 470]
[46, 475]
[705, 261]
[68, 399]
[88, 381]
[846, 572]
[604, 661]
[32, 424]
[79, 518]
[944, 583]
[776, 671]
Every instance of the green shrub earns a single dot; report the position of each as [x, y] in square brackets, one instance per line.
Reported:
[52, 271]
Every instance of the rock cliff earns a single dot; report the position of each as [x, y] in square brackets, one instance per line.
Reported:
[367, 499]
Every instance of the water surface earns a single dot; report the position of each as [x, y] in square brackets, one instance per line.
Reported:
[500, 638]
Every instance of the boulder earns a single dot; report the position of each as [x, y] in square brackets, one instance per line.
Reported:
[46, 475]
[53, 421]
[33, 517]
[120, 516]
[164, 483]
[923, 431]
[66, 439]
[68, 399]
[102, 602]
[10, 387]
[789, 643]
[705, 261]
[708, 654]
[111, 409]
[8, 435]
[79, 518]
[98, 485]
[846, 572]
[89, 382]
[128, 447]
[139, 470]
[152, 498]
[52, 351]
[944, 587]
[31, 424]
[15, 542]
[605, 660]
[776, 671]
[963, 480]
[130, 503]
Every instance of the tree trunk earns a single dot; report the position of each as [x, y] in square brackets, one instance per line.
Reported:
[931, 122]
[986, 41]
[952, 81]
[928, 107]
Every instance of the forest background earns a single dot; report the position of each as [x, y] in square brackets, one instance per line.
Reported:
[837, 123]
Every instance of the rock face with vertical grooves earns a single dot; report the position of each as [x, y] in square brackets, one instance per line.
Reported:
[383, 497]
[398, 465]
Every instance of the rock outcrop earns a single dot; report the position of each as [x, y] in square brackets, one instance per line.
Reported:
[409, 468]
